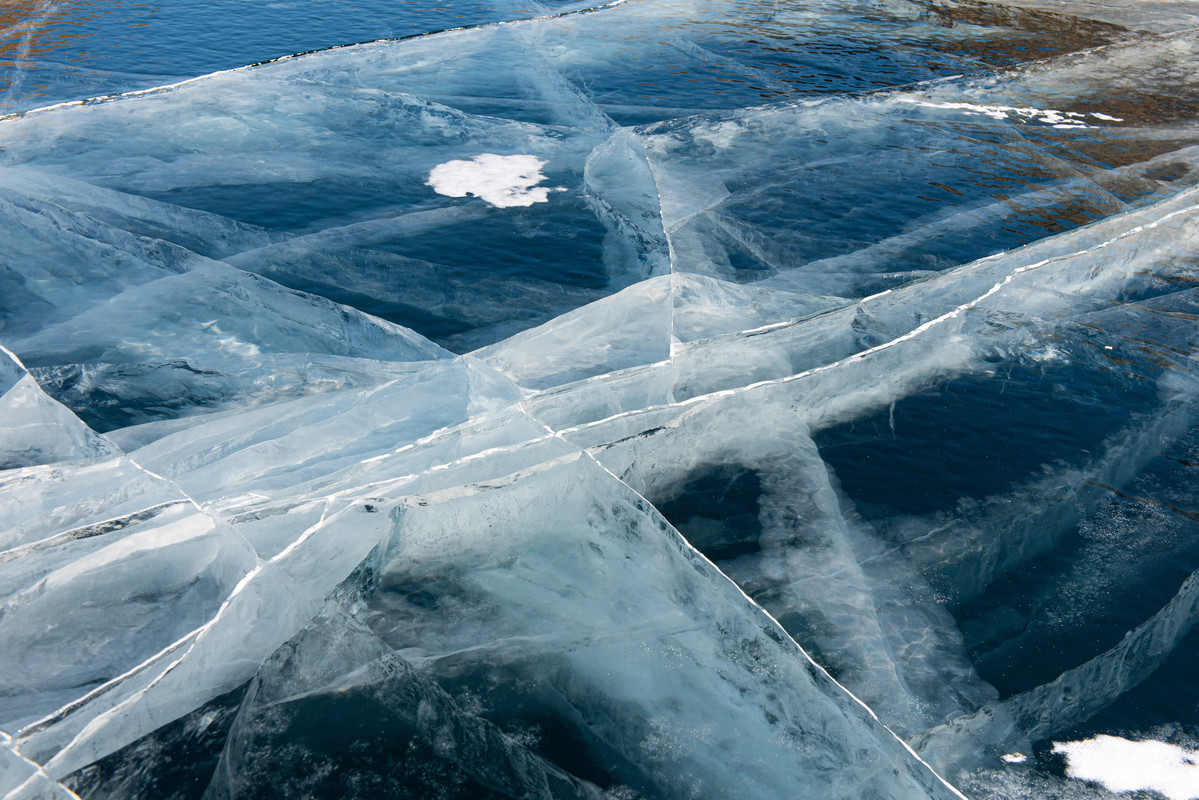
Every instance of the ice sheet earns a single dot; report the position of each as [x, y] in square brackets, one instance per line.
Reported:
[657, 400]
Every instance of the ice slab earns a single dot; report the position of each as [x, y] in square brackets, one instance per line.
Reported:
[449, 749]
[1070, 698]
[646, 634]
[46, 62]
[51, 658]
[759, 501]
[359, 223]
[732, 212]
[1125, 256]
[643, 63]
[165, 331]
[36, 429]
[630, 328]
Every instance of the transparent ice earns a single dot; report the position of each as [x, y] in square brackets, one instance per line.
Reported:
[656, 400]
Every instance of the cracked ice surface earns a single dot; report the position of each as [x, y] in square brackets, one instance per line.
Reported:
[655, 400]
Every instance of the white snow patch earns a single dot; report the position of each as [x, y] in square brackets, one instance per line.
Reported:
[1047, 116]
[502, 181]
[1014, 758]
[1122, 765]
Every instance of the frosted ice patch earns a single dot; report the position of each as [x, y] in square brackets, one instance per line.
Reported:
[1122, 765]
[502, 181]
[721, 135]
[1049, 353]
[1014, 758]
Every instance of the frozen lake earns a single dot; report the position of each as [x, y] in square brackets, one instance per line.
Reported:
[657, 399]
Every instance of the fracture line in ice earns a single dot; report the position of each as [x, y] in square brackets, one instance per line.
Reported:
[914, 333]
[189, 642]
[293, 56]
[37, 776]
[528, 35]
[811, 661]
[963, 219]
[91, 529]
[760, 609]
[366, 489]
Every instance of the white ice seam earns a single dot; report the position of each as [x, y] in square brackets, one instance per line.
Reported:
[956, 312]
[1058, 119]
[168, 86]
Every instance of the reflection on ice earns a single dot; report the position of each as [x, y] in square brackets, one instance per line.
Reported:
[803, 404]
